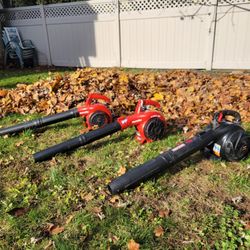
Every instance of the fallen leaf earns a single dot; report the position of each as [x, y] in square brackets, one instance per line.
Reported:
[50, 243]
[123, 78]
[52, 229]
[223, 164]
[247, 225]
[132, 245]
[88, 197]
[56, 230]
[159, 231]
[97, 210]
[18, 144]
[3, 93]
[69, 219]
[122, 170]
[53, 161]
[237, 199]
[164, 213]
[158, 97]
[115, 198]
[113, 238]
[101, 216]
[185, 129]
[34, 240]
[85, 129]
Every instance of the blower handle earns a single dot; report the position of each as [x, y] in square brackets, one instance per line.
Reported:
[143, 104]
[96, 96]
[221, 116]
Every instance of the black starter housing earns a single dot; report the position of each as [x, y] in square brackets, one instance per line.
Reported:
[233, 146]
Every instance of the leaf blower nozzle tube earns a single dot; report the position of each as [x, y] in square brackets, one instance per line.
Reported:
[41, 122]
[165, 160]
[77, 142]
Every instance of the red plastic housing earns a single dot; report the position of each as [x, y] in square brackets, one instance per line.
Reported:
[140, 118]
[89, 109]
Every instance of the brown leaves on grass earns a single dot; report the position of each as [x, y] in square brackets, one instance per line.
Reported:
[164, 213]
[188, 98]
[114, 199]
[122, 170]
[57, 230]
[3, 93]
[88, 197]
[247, 225]
[132, 245]
[18, 144]
[53, 229]
[159, 231]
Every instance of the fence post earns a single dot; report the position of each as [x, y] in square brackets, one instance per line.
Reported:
[46, 34]
[211, 35]
[118, 32]
[1, 48]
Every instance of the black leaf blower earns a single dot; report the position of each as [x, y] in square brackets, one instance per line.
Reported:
[222, 138]
[95, 114]
[150, 125]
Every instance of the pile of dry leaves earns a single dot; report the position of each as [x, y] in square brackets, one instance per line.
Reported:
[188, 98]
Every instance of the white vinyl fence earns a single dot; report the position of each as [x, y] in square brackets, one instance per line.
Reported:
[201, 34]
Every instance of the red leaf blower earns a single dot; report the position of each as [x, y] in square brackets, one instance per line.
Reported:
[95, 114]
[222, 138]
[150, 125]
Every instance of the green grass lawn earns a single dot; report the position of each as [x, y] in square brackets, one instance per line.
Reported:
[193, 202]
[9, 78]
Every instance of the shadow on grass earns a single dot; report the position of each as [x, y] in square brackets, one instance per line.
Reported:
[108, 141]
[98, 145]
[7, 73]
[54, 126]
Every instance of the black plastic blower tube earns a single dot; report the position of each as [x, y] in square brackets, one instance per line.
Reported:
[160, 164]
[77, 142]
[41, 122]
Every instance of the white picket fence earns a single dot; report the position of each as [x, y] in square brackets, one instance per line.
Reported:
[201, 34]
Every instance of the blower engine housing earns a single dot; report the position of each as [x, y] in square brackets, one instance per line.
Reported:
[150, 124]
[95, 115]
[150, 130]
[233, 146]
